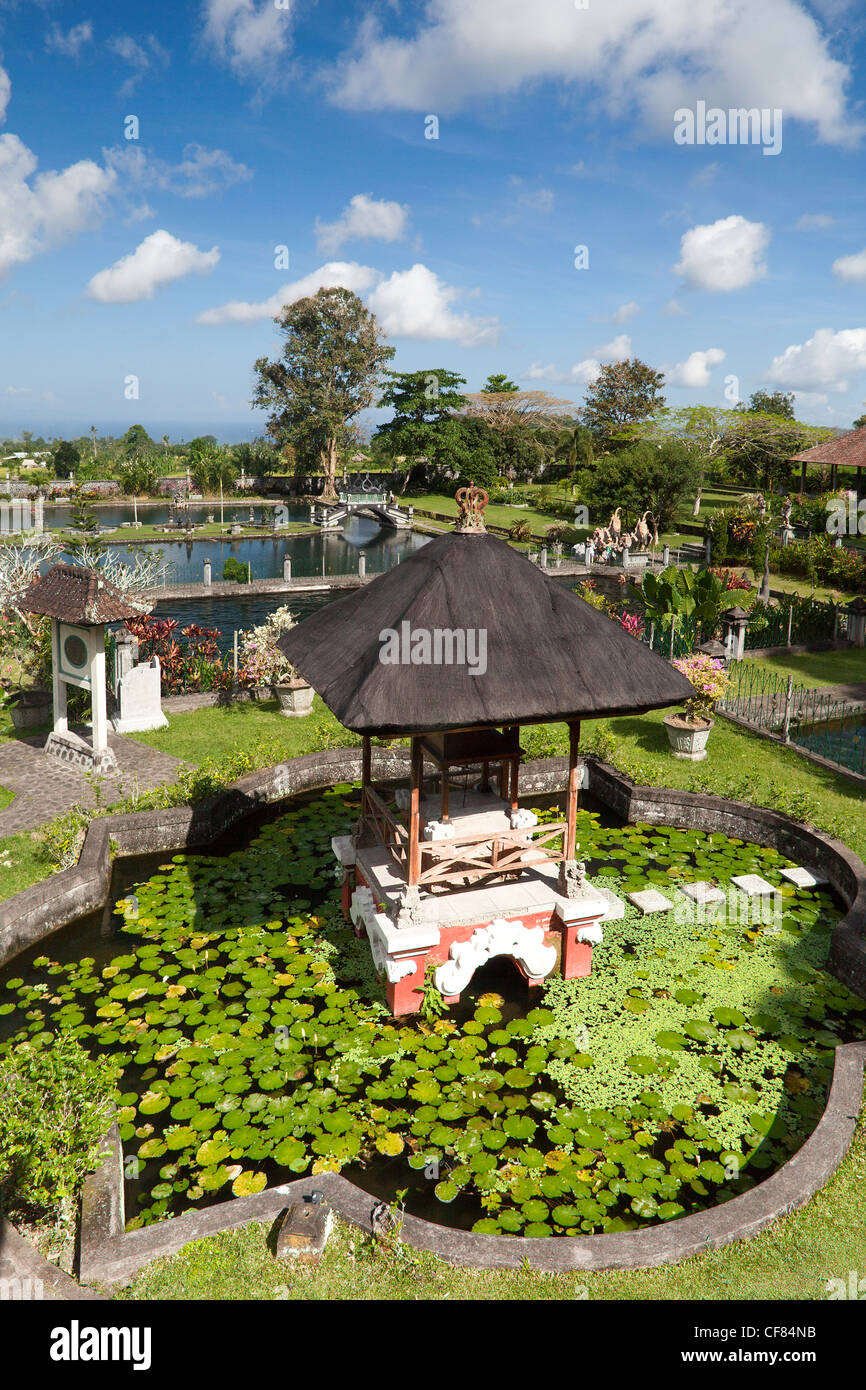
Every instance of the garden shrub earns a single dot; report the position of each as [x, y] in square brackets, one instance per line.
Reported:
[55, 1106]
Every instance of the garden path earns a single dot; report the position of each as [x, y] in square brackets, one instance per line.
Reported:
[44, 788]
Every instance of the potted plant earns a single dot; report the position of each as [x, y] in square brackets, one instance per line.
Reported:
[688, 732]
[265, 668]
[21, 657]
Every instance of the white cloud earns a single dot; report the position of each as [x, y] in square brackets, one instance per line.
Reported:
[253, 40]
[71, 43]
[582, 373]
[647, 58]
[36, 215]
[200, 173]
[815, 219]
[5, 92]
[851, 270]
[415, 303]
[156, 261]
[674, 310]
[705, 176]
[534, 199]
[724, 255]
[364, 219]
[695, 371]
[348, 274]
[143, 57]
[825, 362]
[625, 312]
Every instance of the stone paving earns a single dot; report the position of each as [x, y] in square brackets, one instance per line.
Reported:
[44, 787]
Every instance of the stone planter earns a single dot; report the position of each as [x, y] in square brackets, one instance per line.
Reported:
[296, 699]
[31, 709]
[687, 740]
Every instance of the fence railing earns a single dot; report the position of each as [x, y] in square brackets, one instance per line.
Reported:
[809, 717]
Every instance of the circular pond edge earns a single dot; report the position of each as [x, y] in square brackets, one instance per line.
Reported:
[110, 1255]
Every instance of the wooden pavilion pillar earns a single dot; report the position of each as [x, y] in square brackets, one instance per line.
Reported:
[366, 767]
[417, 777]
[573, 787]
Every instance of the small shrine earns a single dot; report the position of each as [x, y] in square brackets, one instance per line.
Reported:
[80, 603]
[456, 649]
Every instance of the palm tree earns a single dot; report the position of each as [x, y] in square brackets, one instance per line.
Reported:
[93, 438]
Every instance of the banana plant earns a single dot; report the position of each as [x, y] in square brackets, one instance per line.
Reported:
[692, 595]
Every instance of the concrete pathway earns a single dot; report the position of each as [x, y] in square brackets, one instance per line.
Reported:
[44, 787]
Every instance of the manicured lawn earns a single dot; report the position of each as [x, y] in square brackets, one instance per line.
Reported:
[249, 726]
[495, 514]
[793, 1259]
[817, 668]
[23, 861]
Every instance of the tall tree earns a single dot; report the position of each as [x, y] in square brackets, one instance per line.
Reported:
[66, 458]
[498, 383]
[424, 421]
[622, 394]
[136, 441]
[772, 403]
[702, 428]
[329, 371]
[643, 477]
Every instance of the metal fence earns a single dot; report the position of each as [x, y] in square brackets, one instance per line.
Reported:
[809, 717]
[675, 639]
[808, 620]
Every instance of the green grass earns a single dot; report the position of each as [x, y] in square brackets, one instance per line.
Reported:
[26, 860]
[248, 726]
[816, 668]
[793, 1259]
[6, 798]
[495, 513]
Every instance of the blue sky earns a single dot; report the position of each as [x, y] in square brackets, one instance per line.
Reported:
[264, 125]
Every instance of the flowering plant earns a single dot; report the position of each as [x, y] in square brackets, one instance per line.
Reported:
[710, 681]
[263, 662]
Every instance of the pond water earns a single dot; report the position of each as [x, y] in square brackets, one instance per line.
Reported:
[254, 1045]
[112, 514]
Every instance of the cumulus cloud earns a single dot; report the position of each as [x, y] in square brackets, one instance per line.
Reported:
[851, 270]
[646, 57]
[71, 43]
[365, 218]
[251, 39]
[38, 213]
[674, 310]
[695, 371]
[157, 261]
[825, 362]
[348, 274]
[724, 255]
[5, 92]
[582, 373]
[415, 303]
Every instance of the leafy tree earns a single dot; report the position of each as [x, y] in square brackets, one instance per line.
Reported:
[759, 447]
[136, 441]
[859, 423]
[139, 475]
[424, 422]
[502, 410]
[329, 371]
[86, 524]
[211, 468]
[499, 383]
[772, 403]
[701, 427]
[66, 459]
[642, 477]
[622, 394]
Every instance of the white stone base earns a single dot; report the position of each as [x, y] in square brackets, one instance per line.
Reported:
[703, 892]
[650, 900]
[140, 725]
[803, 878]
[74, 752]
[753, 885]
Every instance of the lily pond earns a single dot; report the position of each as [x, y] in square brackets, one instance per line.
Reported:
[253, 1045]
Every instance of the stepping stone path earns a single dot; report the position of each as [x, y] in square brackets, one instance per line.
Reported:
[650, 900]
[44, 787]
[803, 878]
[617, 906]
[753, 885]
[703, 892]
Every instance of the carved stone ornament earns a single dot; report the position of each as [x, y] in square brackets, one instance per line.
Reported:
[500, 938]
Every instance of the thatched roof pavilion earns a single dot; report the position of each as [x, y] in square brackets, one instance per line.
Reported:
[848, 449]
[532, 652]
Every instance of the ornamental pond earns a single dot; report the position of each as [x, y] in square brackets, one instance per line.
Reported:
[253, 1045]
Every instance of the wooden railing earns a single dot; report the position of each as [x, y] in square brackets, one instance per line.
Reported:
[466, 858]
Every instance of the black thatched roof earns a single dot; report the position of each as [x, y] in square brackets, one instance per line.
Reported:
[75, 594]
[550, 655]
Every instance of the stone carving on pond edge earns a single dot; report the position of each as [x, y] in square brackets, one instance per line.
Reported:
[572, 877]
[500, 938]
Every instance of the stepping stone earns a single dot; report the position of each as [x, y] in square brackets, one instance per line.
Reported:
[650, 900]
[803, 878]
[616, 910]
[703, 892]
[753, 885]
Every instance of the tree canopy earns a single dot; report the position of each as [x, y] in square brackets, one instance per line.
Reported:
[329, 371]
[622, 394]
